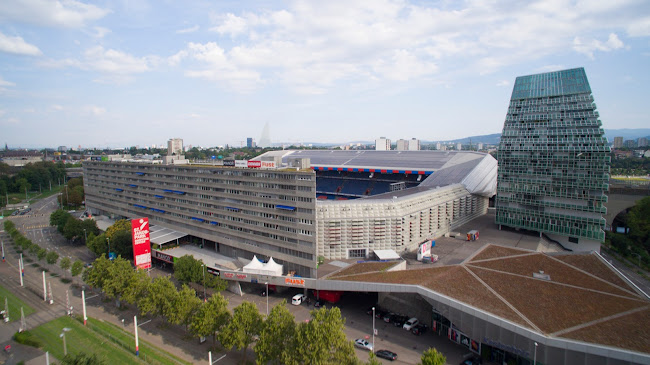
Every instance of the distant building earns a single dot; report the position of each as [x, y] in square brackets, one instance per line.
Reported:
[62, 149]
[459, 146]
[479, 146]
[549, 180]
[642, 142]
[20, 158]
[382, 144]
[618, 142]
[438, 145]
[265, 139]
[630, 143]
[412, 144]
[250, 143]
[175, 147]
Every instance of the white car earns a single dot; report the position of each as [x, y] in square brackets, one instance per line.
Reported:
[363, 344]
[298, 299]
[411, 323]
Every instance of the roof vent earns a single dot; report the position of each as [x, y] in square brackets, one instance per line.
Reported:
[541, 275]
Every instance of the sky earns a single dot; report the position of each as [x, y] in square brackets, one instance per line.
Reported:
[118, 73]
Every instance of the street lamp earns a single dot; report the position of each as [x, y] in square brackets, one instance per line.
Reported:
[267, 298]
[373, 328]
[62, 335]
[535, 355]
[85, 236]
[109, 247]
[205, 299]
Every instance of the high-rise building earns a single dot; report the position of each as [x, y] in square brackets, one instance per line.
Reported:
[382, 144]
[412, 144]
[618, 142]
[175, 146]
[459, 146]
[265, 139]
[250, 143]
[554, 161]
[479, 146]
[642, 142]
[629, 143]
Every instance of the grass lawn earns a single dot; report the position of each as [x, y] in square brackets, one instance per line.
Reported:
[80, 339]
[14, 305]
[117, 334]
[631, 178]
[107, 341]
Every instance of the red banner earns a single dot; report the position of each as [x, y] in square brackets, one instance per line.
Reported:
[141, 243]
[254, 164]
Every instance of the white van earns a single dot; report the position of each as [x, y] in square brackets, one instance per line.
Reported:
[298, 299]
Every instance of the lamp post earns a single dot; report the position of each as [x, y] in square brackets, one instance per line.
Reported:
[205, 299]
[109, 247]
[267, 298]
[62, 335]
[373, 328]
[535, 355]
[85, 236]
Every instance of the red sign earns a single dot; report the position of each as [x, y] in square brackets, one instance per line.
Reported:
[292, 281]
[254, 164]
[141, 243]
[229, 275]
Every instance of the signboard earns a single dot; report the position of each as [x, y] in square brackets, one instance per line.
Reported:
[162, 256]
[229, 162]
[141, 243]
[424, 250]
[268, 164]
[294, 281]
[253, 164]
[241, 163]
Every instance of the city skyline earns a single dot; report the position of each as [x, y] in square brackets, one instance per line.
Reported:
[115, 74]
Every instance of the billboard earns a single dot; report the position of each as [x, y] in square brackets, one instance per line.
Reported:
[141, 243]
[228, 162]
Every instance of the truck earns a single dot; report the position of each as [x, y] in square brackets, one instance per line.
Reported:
[331, 296]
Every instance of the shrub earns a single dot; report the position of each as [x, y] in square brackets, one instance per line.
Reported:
[26, 338]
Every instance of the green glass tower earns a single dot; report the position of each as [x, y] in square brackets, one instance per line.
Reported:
[554, 161]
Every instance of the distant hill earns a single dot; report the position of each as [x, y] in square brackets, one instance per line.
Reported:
[627, 133]
[486, 139]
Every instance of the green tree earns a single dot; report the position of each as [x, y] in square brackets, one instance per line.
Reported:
[65, 264]
[245, 325]
[279, 330]
[372, 359]
[41, 254]
[33, 249]
[187, 269]
[638, 219]
[98, 273]
[155, 300]
[77, 268]
[59, 218]
[90, 227]
[72, 228]
[210, 317]
[98, 245]
[52, 257]
[321, 340]
[432, 357]
[183, 306]
[82, 358]
[118, 277]
[137, 287]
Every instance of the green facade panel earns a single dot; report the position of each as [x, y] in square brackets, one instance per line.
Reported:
[553, 158]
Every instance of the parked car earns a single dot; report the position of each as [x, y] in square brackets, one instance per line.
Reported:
[363, 344]
[398, 321]
[389, 317]
[380, 313]
[410, 324]
[385, 354]
[419, 329]
[298, 299]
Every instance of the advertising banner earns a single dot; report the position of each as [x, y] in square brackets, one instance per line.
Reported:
[141, 243]
[241, 163]
[229, 162]
[254, 164]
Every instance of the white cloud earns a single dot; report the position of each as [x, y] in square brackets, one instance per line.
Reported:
[101, 32]
[57, 107]
[503, 83]
[188, 30]
[95, 110]
[588, 48]
[310, 46]
[4, 82]
[65, 13]
[17, 45]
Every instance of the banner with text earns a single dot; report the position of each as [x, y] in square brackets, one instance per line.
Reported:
[141, 243]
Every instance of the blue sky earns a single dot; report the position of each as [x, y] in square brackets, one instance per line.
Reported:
[124, 73]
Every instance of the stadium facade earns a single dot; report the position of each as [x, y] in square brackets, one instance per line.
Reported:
[335, 204]
[554, 161]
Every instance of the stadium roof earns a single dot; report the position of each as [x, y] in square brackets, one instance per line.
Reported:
[578, 296]
[382, 160]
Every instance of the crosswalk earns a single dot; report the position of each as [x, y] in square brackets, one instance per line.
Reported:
[38, 226]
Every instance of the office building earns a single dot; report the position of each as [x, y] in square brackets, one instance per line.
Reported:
[642, 142]
[382, 144]
[174, 147]
[618, 142]
[459, 146]
[554, 161]
[250, 143]
[629, 143]
[412, 144]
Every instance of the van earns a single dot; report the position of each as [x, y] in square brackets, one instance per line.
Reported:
[298, 299]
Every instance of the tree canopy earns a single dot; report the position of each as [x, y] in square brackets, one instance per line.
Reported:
[433, 357]
[246, 324]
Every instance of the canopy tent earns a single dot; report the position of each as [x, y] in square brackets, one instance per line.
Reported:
[257, 267]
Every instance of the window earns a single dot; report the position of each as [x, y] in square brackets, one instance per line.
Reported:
[573, 239]
[357, 253]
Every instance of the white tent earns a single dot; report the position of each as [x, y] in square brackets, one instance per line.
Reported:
[257, 267]
[254, 267]
[273, 267]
